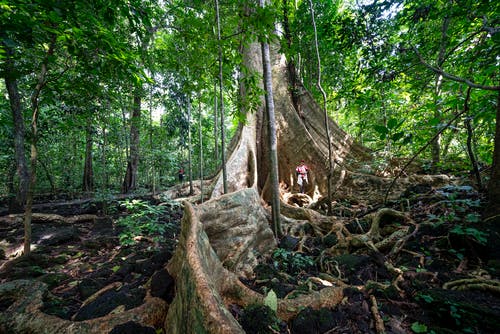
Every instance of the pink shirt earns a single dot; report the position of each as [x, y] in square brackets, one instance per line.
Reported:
[301, 169]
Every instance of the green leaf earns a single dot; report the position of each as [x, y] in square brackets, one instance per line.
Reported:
[473, 218]
[434, 121]
[381, 129]
[397, 136]
[271, 301]
[392, 123]
[417, 327]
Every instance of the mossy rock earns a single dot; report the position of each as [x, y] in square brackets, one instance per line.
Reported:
[351, 263]
[310, 321]
[259, 319]
[53, 279]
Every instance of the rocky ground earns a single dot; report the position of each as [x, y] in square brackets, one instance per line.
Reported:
[90, 265]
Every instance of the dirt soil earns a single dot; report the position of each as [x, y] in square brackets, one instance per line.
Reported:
[90, 273]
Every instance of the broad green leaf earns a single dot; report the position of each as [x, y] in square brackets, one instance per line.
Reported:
[271, 301]
[381, 129]
[417, 327]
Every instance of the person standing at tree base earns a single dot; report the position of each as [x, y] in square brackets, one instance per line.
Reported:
[301, 171]
[181, 174]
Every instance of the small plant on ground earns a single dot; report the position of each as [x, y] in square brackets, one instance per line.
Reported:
[291, 262]
[143, 219]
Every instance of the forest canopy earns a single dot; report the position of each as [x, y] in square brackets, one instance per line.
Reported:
[390, 70]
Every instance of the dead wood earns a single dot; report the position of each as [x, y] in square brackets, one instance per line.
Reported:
[46, 218]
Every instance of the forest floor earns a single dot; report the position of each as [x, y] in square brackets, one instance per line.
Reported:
[93, 266]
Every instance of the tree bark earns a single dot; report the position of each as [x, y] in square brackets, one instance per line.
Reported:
[327, 128]
[200, 139]
[493, 206]
[190, 147]
[216, 124]
[221, 98]
[272, 140]
[88, 171]
[130, 180]
[17, 205]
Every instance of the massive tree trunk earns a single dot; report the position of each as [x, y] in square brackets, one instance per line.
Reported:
[300, 136]
[237, 224]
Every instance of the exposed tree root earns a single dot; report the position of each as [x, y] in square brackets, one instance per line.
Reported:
[24, 314]
[379, 323]
[474, 284]
[204, 288]
[389, 231]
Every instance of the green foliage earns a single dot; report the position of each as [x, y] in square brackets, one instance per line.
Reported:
[142, 219]
[460, 212]
[292, 262]
[425, 297]
[378, 89]
[417, 327]
[471, 232]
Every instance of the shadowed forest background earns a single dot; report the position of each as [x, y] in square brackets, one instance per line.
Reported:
[393, 105]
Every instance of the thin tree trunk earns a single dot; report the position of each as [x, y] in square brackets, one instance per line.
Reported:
[88, 171]
[200, 134]
[48, 175]
[472, 155]
[292, 72]
[190, 158]
[130, 181]
[221, 85]
[327, 128]
[216, 125]
[151, 146]
[273, 141]
[34, 152]
[105, 177]
[19, 133]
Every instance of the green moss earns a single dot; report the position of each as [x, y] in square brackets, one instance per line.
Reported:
[259, 319]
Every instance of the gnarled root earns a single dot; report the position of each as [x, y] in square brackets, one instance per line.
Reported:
[379, 323]
[204, 287]
[474, 284]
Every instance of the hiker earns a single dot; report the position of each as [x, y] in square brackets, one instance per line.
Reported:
[181, 174]
[301, 171]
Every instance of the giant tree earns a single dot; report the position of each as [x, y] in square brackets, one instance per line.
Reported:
[249, 175]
